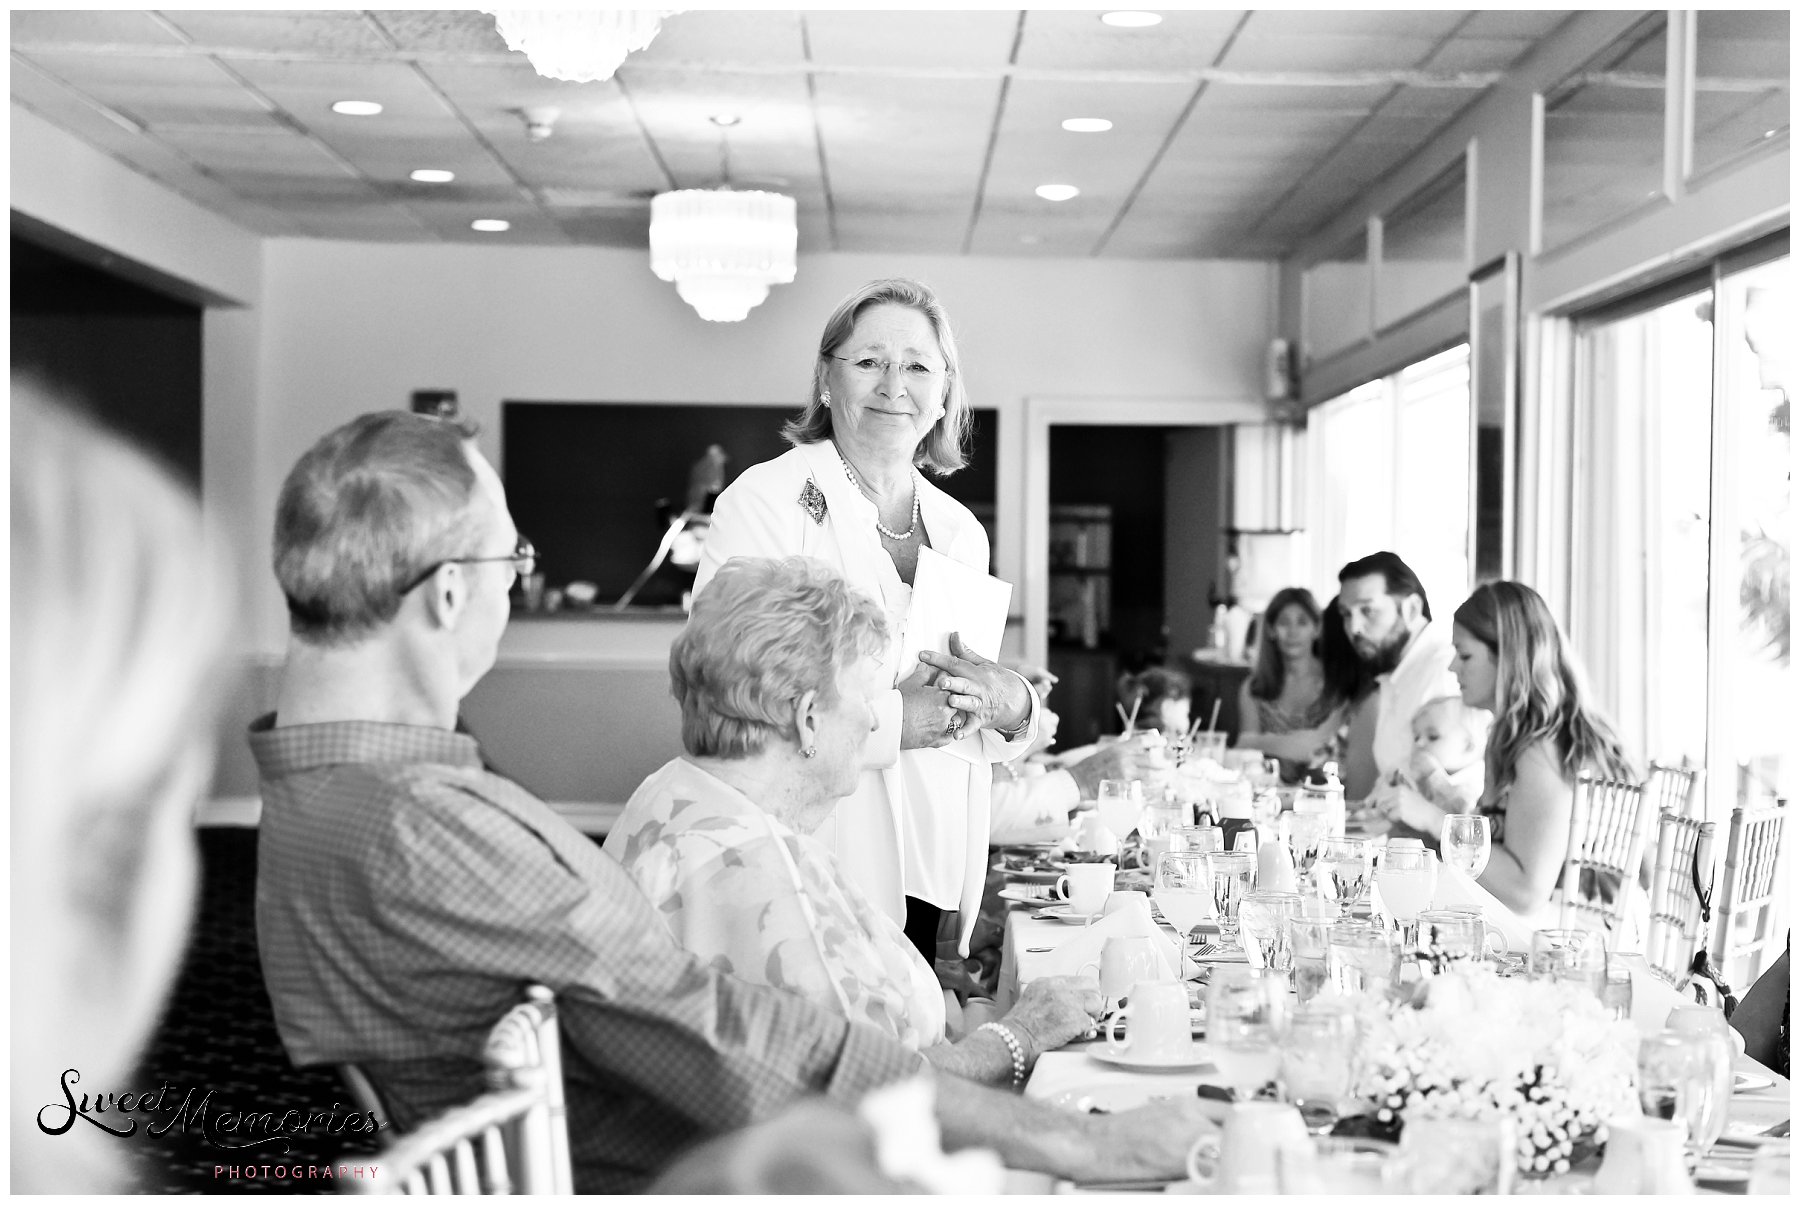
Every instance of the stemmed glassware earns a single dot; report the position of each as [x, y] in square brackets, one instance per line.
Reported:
[1233, 874]
[1246, 1012]
[1407, 877]
[1263, 918]
[1465, 842]
[1121, 805]
[1305, 832]
[1182, 889]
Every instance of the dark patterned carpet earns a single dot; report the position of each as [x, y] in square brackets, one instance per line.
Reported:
[218, 1035]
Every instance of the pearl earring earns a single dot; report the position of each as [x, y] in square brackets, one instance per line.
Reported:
[825, 397]
[809, 752]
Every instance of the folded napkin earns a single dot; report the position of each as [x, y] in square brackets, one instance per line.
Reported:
[1456, 888]
[1084, 948]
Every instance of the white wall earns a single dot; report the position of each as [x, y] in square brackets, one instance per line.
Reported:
[349, 327]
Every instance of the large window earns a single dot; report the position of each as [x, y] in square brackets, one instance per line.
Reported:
[1388, 467]
[1681, 603]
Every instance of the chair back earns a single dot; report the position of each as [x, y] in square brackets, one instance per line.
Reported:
[1675, 788]
[1749, 892]
[1680, 897]
[1607, 829]
[512, 1139]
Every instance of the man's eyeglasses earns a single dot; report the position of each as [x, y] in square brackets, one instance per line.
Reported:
[523, 558]
[871, 369]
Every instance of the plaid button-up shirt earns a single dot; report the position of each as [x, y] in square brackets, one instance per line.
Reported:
[404, 894]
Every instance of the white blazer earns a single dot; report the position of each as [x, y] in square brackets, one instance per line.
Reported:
[918, 822]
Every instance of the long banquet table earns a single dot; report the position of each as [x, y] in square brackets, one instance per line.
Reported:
[1029, 948]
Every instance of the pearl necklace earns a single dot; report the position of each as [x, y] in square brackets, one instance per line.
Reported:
[898, 536]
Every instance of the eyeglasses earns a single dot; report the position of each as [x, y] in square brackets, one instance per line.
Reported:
[523, 557]
[871, 369]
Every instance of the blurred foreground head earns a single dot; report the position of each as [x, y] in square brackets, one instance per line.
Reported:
[120, 615]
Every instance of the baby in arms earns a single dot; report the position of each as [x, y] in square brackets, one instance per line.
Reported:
[1446, 773]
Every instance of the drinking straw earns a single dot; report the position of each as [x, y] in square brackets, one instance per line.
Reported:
[1193, 731]
[1130, 720]
[1213, 723]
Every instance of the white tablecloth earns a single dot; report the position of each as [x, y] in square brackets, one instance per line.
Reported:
[1024, 955]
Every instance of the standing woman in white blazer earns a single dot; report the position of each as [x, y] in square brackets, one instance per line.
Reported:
[886, 400]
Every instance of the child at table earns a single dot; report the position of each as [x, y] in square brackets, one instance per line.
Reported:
[1446, 773]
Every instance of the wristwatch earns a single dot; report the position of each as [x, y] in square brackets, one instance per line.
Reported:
[1020, 729]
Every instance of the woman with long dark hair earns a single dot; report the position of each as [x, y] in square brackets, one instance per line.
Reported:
[1512, 659]
[1287, 707]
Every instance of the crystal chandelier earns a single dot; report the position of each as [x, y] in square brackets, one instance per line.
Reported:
[580, 45]
[723, 249]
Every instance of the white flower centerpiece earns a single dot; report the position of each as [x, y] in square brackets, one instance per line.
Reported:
[1472, 1045]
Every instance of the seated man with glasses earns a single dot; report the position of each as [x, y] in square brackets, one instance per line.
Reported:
[405, 894]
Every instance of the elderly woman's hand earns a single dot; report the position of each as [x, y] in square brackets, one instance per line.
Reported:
[989, 694]
[1057, 1009]
[926, 717]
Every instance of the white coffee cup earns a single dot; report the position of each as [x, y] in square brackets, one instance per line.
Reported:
[1124, 961]
[1240, 1158]
[1086, 886]
[1093, 837]
[1135, 903]
[1155, 1016]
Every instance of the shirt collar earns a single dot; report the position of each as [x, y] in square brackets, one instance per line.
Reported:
[281, 752]
[1425, 641]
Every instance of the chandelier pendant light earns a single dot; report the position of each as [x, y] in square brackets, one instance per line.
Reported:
[580, 45]
[723, 248]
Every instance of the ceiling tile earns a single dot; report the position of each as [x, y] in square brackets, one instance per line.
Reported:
[713, 37]
[414, 29]
[921, 38]
[1183, 42]
[109, 28]
[1302, 26]
[1527, 23]
[341, 32]
[1479, 54]
[309, 89]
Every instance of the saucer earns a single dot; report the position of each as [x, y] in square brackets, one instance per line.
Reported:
[1748, 1082]
[1024, 894]
[1197, 1057]
[1061, 912]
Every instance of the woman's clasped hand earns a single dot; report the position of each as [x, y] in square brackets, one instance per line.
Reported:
[985, 693]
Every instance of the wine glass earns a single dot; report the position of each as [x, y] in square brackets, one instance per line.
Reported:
[1196, 838]
[1407, 877]
[1316, 1052]
[1466, 843]
[1306, 831]
[1246, 1011]
[1232, 875]
[1121, 804]
[1344, 867]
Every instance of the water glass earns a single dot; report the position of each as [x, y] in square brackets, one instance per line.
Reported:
[1263, 916]
[1121, 804]
[1196, 838]
[1449, 935]
[1571, 955]
[1182, 869]
[1407, 877]
[1460, 1156]
[1310, 939]
[1679, 1079]
[1344, 867]
[1361, 958]
[1246, 1012]
[1317, 1059]
[1184, 908]
[1208, 745]
[1615, 990]
[1466, 842]
[1232, 876]
[1709, 1022]
[1305, 831]
[1335, 1167]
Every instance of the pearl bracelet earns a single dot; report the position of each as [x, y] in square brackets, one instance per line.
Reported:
[1012, 1045]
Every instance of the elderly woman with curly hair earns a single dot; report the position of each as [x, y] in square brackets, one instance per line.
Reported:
[1512, 659]
[777, 673]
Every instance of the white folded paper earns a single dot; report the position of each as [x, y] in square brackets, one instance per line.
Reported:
[948, 596]
[1081, 953]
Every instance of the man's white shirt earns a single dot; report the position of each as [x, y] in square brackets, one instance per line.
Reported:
[1422, 675]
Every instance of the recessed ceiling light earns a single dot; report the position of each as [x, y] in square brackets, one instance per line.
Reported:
[1130, 19]
[356, 108]
[1086, 125]
[1058, 192]
[490, 225]
[1770, 133]
[433, 175]
[1031, 240]
[725, 119]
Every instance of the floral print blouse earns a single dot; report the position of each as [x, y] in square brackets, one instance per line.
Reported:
[751, 897]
